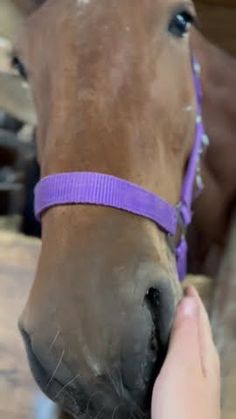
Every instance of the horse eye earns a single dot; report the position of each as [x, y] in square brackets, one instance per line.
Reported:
[181, 24]
[19, 67]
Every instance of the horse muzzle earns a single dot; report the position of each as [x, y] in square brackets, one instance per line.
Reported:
[118, 381]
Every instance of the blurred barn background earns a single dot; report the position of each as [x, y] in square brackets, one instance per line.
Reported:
[19, 172]
[18, 167]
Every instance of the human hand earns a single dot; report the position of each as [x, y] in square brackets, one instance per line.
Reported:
[188, 386]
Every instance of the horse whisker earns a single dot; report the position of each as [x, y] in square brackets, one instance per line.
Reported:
[99, 413]
[114, 411]
[120, 380]
[54, 340]
[90, 399]
[56, 369]
[66, 385]
[114, 382]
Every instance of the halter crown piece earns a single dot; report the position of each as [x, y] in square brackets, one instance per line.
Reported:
[106, 190]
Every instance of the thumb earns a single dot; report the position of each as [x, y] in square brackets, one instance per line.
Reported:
[184, 348]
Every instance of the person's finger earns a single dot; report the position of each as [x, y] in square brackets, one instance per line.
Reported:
[208, 352]
[184, 347]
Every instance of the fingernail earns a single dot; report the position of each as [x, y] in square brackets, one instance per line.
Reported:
[189, 307]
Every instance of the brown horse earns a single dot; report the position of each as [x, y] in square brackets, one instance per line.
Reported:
[114, 94]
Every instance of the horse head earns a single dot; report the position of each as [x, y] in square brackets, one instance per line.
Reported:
[113, 88]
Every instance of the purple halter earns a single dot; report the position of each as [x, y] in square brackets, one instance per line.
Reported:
[101, 189]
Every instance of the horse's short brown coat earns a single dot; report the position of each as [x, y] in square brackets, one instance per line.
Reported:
[113, 92]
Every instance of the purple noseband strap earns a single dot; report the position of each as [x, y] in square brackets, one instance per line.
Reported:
[106, 190]
[100, 189]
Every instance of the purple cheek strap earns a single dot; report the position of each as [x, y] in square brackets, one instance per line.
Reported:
[90, 188]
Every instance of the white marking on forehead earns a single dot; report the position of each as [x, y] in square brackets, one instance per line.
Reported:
[83, 1]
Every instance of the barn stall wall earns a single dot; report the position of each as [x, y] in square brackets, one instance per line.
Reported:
[218, 22]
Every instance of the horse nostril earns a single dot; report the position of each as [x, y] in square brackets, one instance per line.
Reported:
[141, 366]
[153, 298]
[160, 302]
[153, 301]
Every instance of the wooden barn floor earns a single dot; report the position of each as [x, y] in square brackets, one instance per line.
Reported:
[19, 396]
